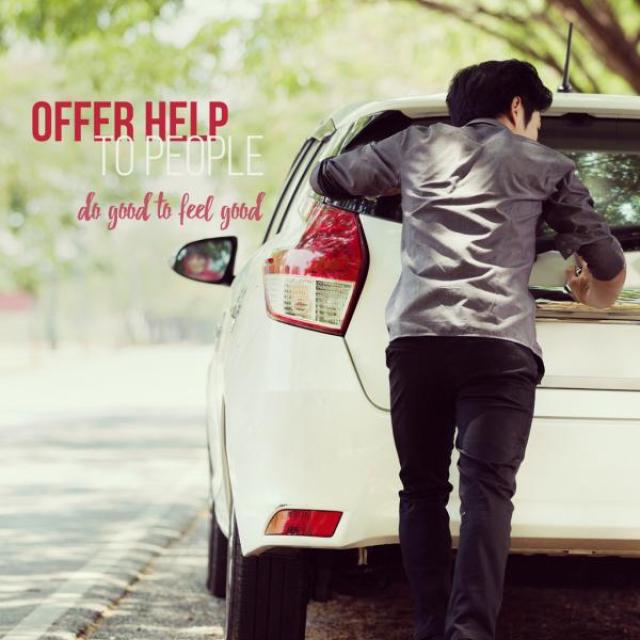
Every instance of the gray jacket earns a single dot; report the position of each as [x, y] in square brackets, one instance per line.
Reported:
[472, 199]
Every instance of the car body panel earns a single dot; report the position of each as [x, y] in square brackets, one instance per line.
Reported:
[598, 105]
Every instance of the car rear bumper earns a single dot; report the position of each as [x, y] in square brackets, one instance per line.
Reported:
[316, 442]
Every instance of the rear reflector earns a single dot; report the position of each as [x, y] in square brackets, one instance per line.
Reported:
[303, 522]
[315, 284]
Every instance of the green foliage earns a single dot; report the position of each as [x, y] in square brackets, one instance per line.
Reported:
[71, 20]
[606, 36]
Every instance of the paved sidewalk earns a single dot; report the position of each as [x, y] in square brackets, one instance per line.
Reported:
[169, 600]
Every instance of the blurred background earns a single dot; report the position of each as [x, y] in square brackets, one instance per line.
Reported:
[281, 66]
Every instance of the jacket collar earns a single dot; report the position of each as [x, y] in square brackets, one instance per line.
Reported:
[492, 121]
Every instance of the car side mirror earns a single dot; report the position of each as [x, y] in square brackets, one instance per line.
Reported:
[210, 260]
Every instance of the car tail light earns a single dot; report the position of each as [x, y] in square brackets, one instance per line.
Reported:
[316, 283]
[304, 522]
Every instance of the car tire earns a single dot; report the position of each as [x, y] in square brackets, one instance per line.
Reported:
[217, 569]
[267, 595]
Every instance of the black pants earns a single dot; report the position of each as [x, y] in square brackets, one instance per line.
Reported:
[485, 386]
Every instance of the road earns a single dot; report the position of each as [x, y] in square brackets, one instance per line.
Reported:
[103, 464]
[103, 521]
[545, 599]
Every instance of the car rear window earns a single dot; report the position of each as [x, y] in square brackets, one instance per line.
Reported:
[607, 156]
[607, 159]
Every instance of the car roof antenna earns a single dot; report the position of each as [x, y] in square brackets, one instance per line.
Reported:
[566, 87]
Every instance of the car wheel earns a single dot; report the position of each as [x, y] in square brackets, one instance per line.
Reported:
[267, 595]
[217, 570]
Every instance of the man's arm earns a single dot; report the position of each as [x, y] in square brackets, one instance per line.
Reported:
[583, 231]
[372, 169]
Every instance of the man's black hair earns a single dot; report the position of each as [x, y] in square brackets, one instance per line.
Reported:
[485, 90]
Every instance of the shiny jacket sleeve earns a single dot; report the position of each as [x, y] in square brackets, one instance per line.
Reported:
[372, 169]
[581, 229]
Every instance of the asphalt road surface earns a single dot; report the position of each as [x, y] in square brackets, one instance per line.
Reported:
[103, 464]
[103, 523]
[545, 599]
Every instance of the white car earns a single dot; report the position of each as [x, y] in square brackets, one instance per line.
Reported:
[304, 472]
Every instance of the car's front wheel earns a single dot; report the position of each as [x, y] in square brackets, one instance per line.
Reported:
[267, 595]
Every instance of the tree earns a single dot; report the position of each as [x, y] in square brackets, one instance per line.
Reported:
[610, 29]
[70, 20]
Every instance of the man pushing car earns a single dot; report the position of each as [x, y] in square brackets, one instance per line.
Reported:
[462, 346]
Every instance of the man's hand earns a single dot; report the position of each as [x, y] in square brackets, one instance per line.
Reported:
[578, 280]
[586, 289]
